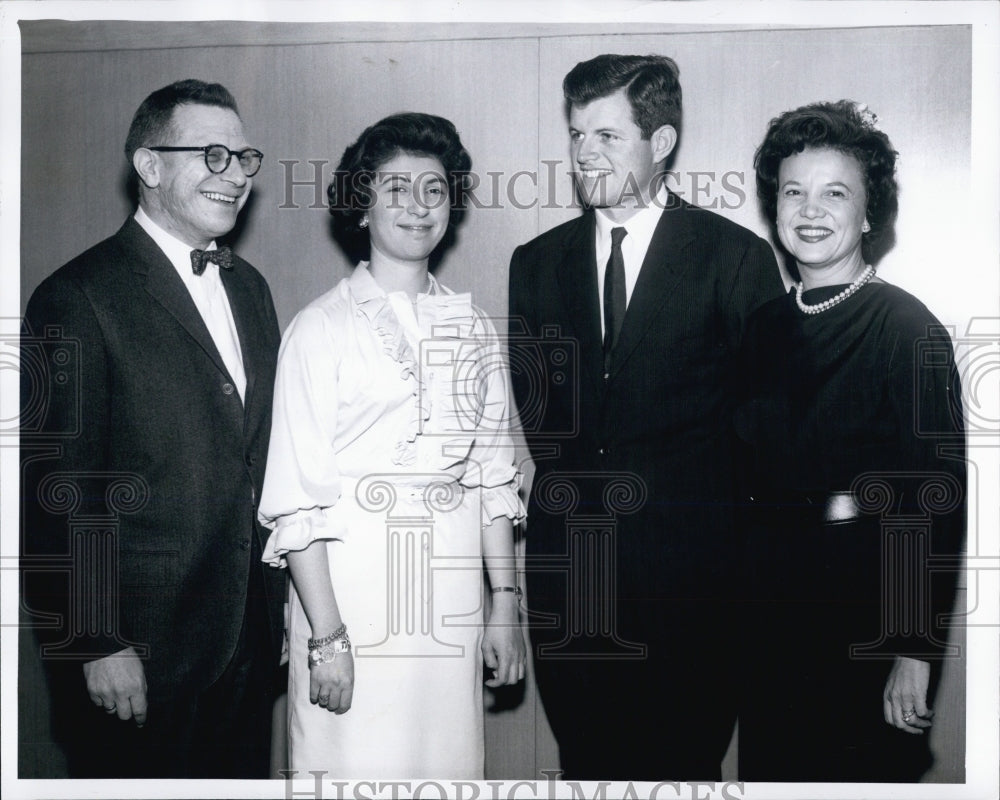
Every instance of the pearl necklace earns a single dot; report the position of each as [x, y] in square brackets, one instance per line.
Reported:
[819, 308]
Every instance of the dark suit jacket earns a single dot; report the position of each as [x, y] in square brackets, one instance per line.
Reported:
[662, 413]
[140, 415]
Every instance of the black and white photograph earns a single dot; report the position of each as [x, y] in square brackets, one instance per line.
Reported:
[486, 400]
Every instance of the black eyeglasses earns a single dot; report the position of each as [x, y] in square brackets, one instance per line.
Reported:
[218, 156]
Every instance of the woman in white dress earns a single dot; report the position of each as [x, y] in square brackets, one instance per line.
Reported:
[391, 481]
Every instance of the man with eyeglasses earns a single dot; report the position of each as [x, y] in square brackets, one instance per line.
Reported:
[177, 341]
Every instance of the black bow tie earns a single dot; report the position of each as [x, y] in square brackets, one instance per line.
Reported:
[223, 256]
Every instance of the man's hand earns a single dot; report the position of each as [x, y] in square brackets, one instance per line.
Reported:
[117, 683]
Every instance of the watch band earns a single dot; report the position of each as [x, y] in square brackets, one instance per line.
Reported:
[516, 590]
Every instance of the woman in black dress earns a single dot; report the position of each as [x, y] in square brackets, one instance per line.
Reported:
[851, 432]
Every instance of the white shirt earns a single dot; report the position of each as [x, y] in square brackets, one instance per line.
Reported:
[640, 227]
[209, 297]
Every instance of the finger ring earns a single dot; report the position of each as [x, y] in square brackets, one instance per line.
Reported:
[324, 700]
[112, 709]
[908, 715]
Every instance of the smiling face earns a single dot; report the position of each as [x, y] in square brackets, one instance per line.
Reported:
[616, 168]
[179, 192]
[821, 213]
[410, 210]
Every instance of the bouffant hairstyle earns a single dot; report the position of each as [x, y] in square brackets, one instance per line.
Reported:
[350, 193]
[650, 82]
[850, 129]
[151, 123]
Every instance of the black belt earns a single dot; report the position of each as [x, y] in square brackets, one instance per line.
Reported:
[826, 506]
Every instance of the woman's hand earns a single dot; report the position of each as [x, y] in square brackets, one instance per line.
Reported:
[331, 684]
[904, 702]
[503, 642]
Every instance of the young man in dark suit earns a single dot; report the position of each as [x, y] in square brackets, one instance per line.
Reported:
[140, 487]
[631, 545]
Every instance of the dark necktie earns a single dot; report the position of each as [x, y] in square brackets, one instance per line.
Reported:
[614, 294]
[223, 256]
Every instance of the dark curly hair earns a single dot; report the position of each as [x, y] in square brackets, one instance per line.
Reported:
[350, 193]
[842, 127]
[650, 83]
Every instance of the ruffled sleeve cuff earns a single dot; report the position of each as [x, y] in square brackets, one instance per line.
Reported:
[299, 530]
[503, 501]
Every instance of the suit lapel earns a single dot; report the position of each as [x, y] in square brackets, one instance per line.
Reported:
[662, 268]
[577, 279]
[247, 321]
[165, 286]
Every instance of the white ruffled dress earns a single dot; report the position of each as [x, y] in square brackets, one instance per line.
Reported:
[390, 441]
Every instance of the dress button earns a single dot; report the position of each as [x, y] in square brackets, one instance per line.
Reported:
[603, 451]
[245, 544]
[607, 375]
[228, 388]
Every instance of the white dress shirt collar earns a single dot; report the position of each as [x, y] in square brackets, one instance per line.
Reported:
[640, 226]
[173, 248]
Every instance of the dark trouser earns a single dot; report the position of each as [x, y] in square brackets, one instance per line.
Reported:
[223, 732]
[668, 716]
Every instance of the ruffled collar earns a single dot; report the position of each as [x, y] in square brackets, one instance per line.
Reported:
[451, 317]
[364, 287]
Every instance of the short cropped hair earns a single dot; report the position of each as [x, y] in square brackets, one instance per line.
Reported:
[350, 193]
[844, 126]
[651, 84]
[151, 123]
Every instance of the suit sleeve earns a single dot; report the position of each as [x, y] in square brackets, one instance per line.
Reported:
[270, 335]
[521, 328]
[755, 280]
[270, 315]
[926, 393]
[65, 429]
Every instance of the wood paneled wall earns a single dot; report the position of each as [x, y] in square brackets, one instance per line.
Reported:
[307, 91]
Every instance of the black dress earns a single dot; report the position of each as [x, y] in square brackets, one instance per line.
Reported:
[861, 398]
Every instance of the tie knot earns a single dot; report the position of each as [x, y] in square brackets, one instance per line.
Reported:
[617, 234]
[222, 256]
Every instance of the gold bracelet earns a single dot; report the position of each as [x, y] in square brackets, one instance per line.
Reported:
[516, 590]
